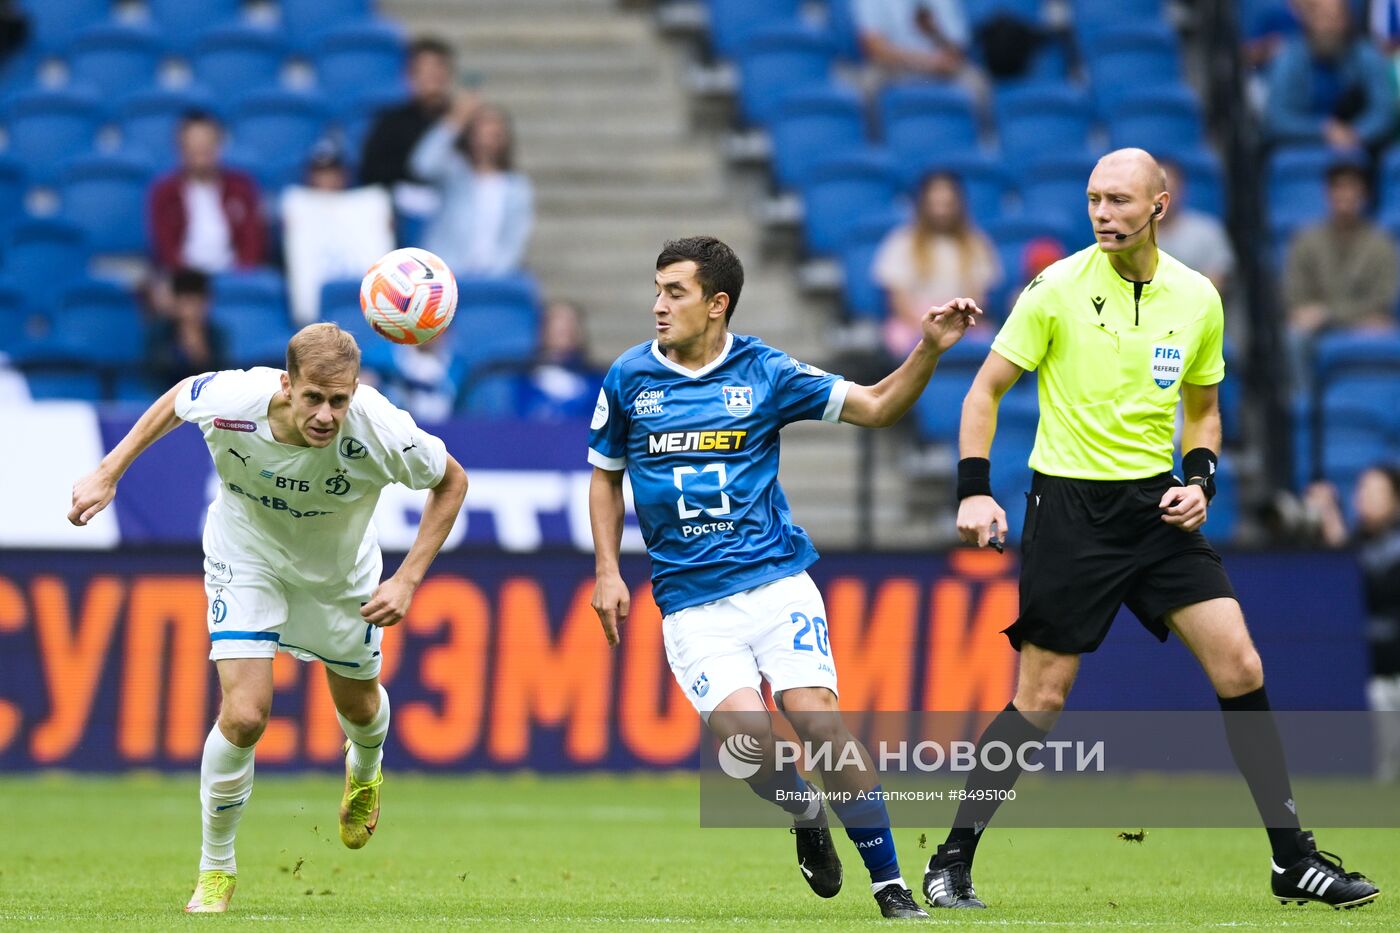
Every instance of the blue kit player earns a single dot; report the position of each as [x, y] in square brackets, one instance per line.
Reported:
[693, 417]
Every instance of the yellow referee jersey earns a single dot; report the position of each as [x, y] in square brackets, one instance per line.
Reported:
[1112, 355]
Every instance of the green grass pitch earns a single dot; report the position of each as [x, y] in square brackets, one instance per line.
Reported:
[590, 852]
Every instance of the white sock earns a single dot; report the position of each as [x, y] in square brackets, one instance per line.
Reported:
[877, 886]
[367, 741]
[225, 784]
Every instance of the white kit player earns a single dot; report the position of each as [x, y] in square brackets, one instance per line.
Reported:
[292, 560]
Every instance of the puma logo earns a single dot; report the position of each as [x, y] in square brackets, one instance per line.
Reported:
[239, 456]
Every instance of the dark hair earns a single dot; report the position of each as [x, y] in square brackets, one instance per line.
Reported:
[717, 269]
[191, 117]
[1344, 168]
[430, 45]
[186, 281]
[506, 160]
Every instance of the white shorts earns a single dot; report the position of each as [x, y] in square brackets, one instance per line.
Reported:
[253, 614]
[776, 632]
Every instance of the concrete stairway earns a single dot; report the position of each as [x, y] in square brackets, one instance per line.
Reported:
[604, 130]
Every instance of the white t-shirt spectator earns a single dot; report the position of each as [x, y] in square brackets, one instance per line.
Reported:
[208, 241]
[895, 20]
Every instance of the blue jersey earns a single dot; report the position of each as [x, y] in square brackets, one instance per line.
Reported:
[701, 449]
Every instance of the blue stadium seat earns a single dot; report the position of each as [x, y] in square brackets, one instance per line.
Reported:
[1039, 118]
[137, 390]
[1098, 33]
[279, 125]
[1056, 185]
[308, 18]
[48, 250]
[777, 60]
[494, 394]
[353, 59]
[915, 118]
[105, 196]
[17, 321]
[497, 320]
[251, 310]
[1011, 236]
[149, 120]
[1344, 352]
[111, 56]
[1388, 176]
[1157, 120]
[51, 21]
[840, 20]
[45, 126]
[864, 299]
[183, 20]
[77, 383]
[1297, 187]
[340, 304]
[1120, 73]
[812, 124]
[1205, 186]
[233, 61]
[842, 188]
[1223, 517]
[939, 408]
[1087, 13]
[14, 182]
[98, 323]
[980, 11]
[984, 179]
[733, 22]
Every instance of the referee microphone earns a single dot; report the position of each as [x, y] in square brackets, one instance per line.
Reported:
[1155, 211]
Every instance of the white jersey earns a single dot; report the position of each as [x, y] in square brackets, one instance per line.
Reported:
[304, 511]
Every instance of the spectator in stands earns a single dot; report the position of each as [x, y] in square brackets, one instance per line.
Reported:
[1376, 503]
[927, 38]
[1342, 272]
[426, 380]
[184, 341]
[941, 254]
[561, 383]
[487, 208]
[204, 215]
[1196, 238]
[397, 130]
[1330, 85]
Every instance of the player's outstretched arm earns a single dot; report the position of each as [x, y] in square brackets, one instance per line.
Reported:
[976, 513]
[1185, 506]
[611, 599]
[884, 403]
[391, 599]
[93, 492]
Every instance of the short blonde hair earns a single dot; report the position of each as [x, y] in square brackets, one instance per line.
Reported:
[324, 352]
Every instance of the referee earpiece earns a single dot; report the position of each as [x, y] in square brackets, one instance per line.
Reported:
[1157, 209]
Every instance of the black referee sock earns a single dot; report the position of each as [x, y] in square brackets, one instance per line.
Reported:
[1258, 752]
[1011, 727]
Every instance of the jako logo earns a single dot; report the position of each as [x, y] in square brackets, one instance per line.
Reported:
[870, 843]
[740, 756]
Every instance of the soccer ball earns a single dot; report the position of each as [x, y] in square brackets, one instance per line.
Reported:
[409, 296]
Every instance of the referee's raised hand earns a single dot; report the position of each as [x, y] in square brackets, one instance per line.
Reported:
[976, 514]
[945, 324]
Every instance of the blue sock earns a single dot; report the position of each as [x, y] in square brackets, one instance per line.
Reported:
[789, 790]
[867, 824]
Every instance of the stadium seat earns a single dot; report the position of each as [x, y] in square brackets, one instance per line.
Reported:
[842, 188]
[356, 58]
[915, 118]
[984, 180]
[1011, 235]
[340, 304]
[497, 320]
[113, 56]
[1388, 177]
[251, 310]
[76, 383]
[44, 126]
[733, 22]
[16, 321]
[864, 299]
[1055, 185]
[1297, 187]
[1205, 187]
[148, 121]
[1099, 33]
[841, 22]
[98, 323]
[1040, 118]
[939, 408]
[234, 61]
[775, 61]
[1353, 352]
[1120, 73]
[1086, 13]
[279, 125]
[812, 124]
[48, 250]
[51, 21]
[13, 184]
[105, 196]
[308, 18]
[1158, 120]
[980, 11]
[183, 20]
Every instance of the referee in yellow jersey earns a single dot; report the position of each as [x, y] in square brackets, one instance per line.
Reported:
[1120, 332]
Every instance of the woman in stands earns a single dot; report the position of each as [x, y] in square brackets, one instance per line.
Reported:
[939, 255]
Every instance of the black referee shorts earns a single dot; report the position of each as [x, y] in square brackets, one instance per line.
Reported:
[1089, 547]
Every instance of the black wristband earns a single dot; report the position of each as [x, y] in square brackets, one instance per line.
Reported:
[1199, 467]
[974, 477]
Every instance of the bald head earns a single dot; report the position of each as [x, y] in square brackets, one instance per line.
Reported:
[1137, 167]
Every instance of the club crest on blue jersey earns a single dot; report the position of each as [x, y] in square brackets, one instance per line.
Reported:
[738, 400]
[701, 685]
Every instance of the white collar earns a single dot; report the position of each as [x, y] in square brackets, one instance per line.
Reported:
[693, 373]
